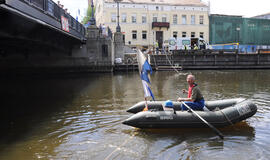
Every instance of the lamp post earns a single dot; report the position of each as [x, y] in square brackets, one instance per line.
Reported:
[118, 28]
[92, 20]
[238, 33]
[238, 36]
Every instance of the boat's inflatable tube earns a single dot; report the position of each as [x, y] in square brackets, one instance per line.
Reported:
[185, 119]
[158, 105]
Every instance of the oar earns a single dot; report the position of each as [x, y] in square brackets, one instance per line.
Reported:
[209, 125]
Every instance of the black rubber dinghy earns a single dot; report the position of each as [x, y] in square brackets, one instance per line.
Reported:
[220, 113]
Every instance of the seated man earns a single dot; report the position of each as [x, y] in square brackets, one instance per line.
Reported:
[195, 98]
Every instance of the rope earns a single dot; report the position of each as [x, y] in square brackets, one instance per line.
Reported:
[171, 64]
[225, 116]
[155, 61]
[117, 148]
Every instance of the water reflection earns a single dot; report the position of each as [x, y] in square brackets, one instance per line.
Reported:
[239, 129]
[81, 118]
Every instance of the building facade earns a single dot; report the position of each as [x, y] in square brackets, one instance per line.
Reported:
[144, 22]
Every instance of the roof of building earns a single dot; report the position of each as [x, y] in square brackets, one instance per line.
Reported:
[225, 15]
[266, 14]
[164, 2]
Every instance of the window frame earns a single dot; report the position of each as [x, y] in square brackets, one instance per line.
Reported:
[144, 33]
[175, 17]
[124, 18]
[133, 18]
[184, 34]
[192, 34]
[175, 33]
[201, 19]
[184, 19]
[164, 18]
[201, 34]
[134, 35]
[192, 19]
[155, 16]
[113, 17]
[144, 17]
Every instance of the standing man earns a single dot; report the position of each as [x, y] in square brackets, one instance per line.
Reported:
[104, 30]
[195, 98]
[156, 46]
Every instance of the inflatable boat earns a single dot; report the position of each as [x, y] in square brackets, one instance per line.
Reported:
[220, 113]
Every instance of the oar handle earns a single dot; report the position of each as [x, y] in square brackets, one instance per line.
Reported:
[209, 125]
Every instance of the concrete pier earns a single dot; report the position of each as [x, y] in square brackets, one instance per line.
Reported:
[213, 61]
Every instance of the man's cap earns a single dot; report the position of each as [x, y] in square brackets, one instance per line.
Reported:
[168, 103]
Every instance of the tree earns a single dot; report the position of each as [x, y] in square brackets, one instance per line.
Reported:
[88, 15]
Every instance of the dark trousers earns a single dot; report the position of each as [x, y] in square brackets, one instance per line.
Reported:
[193, 105]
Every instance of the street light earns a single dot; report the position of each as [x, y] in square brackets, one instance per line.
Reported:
[118, 29]
[238, 34]
[92, 20]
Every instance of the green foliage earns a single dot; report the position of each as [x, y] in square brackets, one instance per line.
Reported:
[88, 15]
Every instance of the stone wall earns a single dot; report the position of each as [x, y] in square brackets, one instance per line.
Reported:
[213, 61]
[99, 48]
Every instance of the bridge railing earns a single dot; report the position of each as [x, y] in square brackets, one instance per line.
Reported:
[52, 9]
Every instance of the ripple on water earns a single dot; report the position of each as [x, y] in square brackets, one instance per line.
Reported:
[235, 148]
[90, 126]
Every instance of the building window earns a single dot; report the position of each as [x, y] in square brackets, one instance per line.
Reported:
[113, 17]
[134, 34]
[184, 34]
[192, 19]
[144, 35]
[124, 17]
[133, 18]
[201, 19]
[175, 34]
[157, 8]
[155, 18]
[201, 35]
[192, 34]
[164, 18]
[144, 20]
[184, 19]
[175, 19]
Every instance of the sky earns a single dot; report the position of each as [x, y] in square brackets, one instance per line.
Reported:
[245, 8]
[73, 6]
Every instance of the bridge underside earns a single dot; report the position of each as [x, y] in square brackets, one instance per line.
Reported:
[21, 33]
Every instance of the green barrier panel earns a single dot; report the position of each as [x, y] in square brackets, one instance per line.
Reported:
[235, 29]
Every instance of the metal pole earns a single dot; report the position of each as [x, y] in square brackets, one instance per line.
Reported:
[238, 37]
[118, 29]
[92, 20]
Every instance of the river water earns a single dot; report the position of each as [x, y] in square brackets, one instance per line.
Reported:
[81, 118]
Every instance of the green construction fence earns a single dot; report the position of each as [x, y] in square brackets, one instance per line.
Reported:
[225, 29]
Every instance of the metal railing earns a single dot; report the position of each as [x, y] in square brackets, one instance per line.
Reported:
[52, 9]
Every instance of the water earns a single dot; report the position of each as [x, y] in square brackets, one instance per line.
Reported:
[80, 118]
